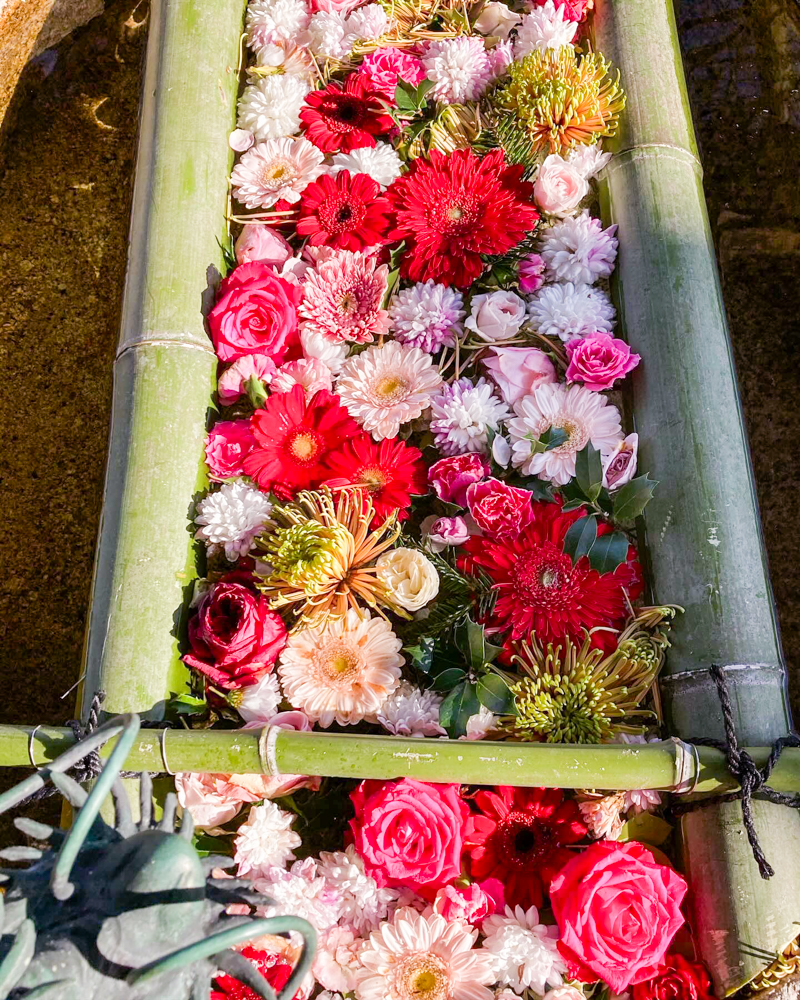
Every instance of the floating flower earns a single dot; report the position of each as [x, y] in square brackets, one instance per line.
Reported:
[230, 519]
[336, 959]
[271, 107]
[368, 23]
[439, 532]
[459, 68]
[262, 243]
[275, 170]
[589, 160]
[579, 250]
[274, 21]
[470, 903]
[386, 67]
[345, 117]
[585, 416]
[317, 347]
[274, 968]
[364, 903]
[517, 371]
[380, 162]
[342, 298]
[258, 702]
[343, 212]
[524, 951]
[619, 467]
[389, 471]
[300, 891]
[546, 27]
[499, 510]
[266, 838]
[411, 712]
[531, 271]
[427, 315]
[569, 311]
[599, 361]
[310, 373]
[463, 415]
[385, 387]
[560, 185]
[575, 10]
[496, 19]
[496, 316]
[450, 209]
[409, 577]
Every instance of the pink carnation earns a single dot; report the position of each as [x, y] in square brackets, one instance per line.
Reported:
[574, 10]
[227, 445]
[262, 243]
[311, 373]
[335, 6]
[232, 381]
[517, 371]
[499, 510]
[386, 67]
[342, 298]
[599, 361]
[450, 477]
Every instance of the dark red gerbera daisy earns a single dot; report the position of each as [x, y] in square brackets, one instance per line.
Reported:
[451, 209]
[346, 212]
[275, 969]
[519, 837]
[390, 471]
[344, 118]
[295, 436]
[539, 588]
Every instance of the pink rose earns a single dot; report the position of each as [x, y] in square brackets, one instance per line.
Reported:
[256, 313]
[560, 187]
[386, 67]
[227, 444]
[469, 903]
[499, 510]
[531, 273]
[240, 140]
[231, 383]
[617, 910]
[450, 477]
[496, 315]
[517, 371]
[409, 832]
[598, 361]
[439, 532]
[263, 244]
[620, 466]
[214, 799]
[235, 637]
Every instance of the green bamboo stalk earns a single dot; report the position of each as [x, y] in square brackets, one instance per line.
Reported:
[164, 372]
[703, 530]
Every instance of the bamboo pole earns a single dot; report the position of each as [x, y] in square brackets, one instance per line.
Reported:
[702, 529]
[164, 372]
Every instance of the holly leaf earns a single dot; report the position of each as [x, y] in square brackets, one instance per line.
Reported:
[646, 828]
[552, 438]
[631, 499]
[494, 694]
[608, 552]
[457, 707]
[589, 472]
[186, 704]
[476, 644]
[447, 679]
[580, 538]
[541, 489]
[421, 655]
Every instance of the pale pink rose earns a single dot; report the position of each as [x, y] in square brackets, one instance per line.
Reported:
[232, 381]
[279, 785]
[517, 371]
[496, 316]
[599, 361]
[240, 140]
[559, 187]
[311, 373]
[496, 19]
[620, 466]
[227, 444]
[336, 961]
[214, 799]
[439, 532]
[264, 244]
[531, 273]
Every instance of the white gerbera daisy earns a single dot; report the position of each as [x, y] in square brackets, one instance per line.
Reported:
[342, 672]
[585, 416]
[265, 840]
[364, 903]
[369, 22]
[270, 108]
[257, 702]
[524, 951]
[544, 28]
[380, 161]
[275, 21]
[428, 316]
[460, 69]
[276, 169]
[300, 891]
[408, 711]
[317, 346]
[588, 160]
[570, 311]
[463, 414]
[579, 250]
[330, 36]
[419, 955]
[387, 386]
[231, 517]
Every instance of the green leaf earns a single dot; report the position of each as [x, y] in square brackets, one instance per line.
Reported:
[580, 538]
[447, 679]
[572, 505]
[647, 828]
[457, 707]
[421, 655]
[256, 391]
[631, 499]
[589, 471]
[404, 97]
[608, 552]
[541, 489]
[552, 438]
[476, 644]
[494, 694]
[186, 704]
[422, 91]
[391, 282]
[491, 652]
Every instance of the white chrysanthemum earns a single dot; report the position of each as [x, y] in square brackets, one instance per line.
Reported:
[579, 250]
[380, 161]
[460, 69]
[257, 702]
[265, 840]
[588, 160]
[330, 36]
[270, 108]
[316, 345]
[544, 28]
[584, 415]
[271, 22]
[276, 169]
[364, 903]
[569, 311]
[463, 414]
[524, 952]
[342, 672]
[385, 387]
[368, 23]
[412, 712]
[428, 316]
[231, 518]
[300, 892]
[420, 955]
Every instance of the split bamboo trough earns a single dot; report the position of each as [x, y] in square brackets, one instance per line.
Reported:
[701, 532]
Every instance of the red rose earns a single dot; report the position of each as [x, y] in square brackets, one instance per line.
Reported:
[235, 637]
[677, 979]
[617, 910]
[409, 832]
[450, 477]
[256, 313]
[500, 511]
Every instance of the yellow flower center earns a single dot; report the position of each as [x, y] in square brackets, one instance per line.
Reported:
[422, 977]
[304, 446]
[277, 173]
[390, 388]
[339, 662]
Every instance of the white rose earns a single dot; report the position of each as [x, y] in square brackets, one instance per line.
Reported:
[560, 187]
[496, 316]
[496, 19]
[410, 578]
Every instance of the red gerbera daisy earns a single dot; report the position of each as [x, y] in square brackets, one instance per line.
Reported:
[344, 118]
[294, 438]
[451, 209]
[275, 969]
[539, 588]
[518, 837]
[345, 212]
[389, 471]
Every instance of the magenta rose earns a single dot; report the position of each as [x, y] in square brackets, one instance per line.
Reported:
[499, 510]
[227, 445]
[450, 477]
[598, 361]
[617, 910]
[256, 313]
[409, 833]
[517, 371]
[235, 637]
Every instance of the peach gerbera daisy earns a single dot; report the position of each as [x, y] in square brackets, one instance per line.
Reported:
[342, 672]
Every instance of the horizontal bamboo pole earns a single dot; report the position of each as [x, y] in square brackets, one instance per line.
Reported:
[651, 765]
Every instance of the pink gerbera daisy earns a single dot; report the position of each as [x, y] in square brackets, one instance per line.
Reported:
[343, 297]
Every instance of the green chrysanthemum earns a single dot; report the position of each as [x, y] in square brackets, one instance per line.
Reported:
[304, 555]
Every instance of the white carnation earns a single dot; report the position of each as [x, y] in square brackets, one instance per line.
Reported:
[271, 22]
[460, 69]
[300, 891]
[588, 160]
[368, 23]
[259, 702]
[330, 37]
[231, 518]
[364, 904]
[569, 311]
[265, 840]
[270, 108]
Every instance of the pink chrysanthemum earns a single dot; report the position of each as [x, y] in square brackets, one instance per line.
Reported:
[343, 297]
